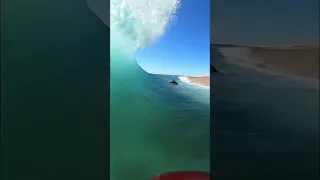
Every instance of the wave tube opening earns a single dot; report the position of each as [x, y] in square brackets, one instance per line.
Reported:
[154, 126]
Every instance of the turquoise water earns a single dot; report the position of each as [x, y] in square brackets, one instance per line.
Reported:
[154, 127]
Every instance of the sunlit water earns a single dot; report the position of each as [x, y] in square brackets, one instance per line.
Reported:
[156, 127]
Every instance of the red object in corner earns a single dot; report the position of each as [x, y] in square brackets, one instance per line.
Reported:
[184, 175]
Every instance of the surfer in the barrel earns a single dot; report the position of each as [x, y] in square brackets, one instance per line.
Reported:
[173, 82]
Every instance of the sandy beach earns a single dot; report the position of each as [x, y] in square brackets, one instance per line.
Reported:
[298, 60]
[294, 60]
[203, 80]
[200, 81]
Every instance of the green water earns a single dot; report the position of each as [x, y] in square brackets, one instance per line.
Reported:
[55, 102]
[54, 91]
[154, 127]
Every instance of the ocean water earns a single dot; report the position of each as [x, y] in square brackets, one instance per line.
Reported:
[54, 91]
[264, 126]
[155, 127]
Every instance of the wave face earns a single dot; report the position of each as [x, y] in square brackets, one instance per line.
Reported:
[154, 127]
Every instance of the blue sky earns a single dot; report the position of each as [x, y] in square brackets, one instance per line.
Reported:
[184, 48]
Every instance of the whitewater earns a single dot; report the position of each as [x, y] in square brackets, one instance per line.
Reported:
[154, 127]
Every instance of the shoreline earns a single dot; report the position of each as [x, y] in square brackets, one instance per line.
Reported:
[203, 81]
[301, 61]
[297, 60]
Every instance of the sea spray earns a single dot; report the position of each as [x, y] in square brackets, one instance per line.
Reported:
[154, 127]
[141, 21]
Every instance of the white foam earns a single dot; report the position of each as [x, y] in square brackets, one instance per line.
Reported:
[185, 79]
[141, 21]
[188, 81]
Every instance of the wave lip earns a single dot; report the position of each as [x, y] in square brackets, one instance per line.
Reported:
[142, 21]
